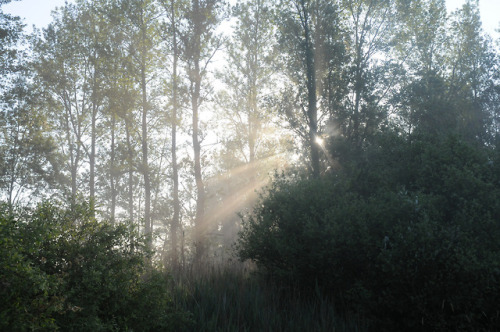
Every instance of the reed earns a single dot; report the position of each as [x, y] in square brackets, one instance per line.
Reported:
[233, 297]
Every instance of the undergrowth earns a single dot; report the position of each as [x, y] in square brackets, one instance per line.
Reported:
[232, 298]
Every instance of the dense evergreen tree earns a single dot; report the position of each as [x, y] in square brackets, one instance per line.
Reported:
[403, 234]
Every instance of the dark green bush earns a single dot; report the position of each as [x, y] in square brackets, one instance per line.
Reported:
[29, 295]
[406, 234]
[61, 269]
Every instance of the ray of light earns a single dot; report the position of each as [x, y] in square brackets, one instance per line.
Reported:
[235, 200]
[232, 204]
[246, 168]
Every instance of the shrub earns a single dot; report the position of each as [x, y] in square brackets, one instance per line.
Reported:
[417, 251]
[65, 270]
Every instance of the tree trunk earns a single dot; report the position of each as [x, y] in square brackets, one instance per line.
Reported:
[73, 159]
[174, 227]
[112, 170]
[92, 153]
[312, 110]
[252, 120]
[200, 228]
[200, 188]
[130, 174]
[145, 163]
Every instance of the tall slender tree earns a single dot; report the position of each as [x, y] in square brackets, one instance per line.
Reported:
[118, 89]
[472, 64]
[143, 47]
[250, 139]
[199, 46]
[61, 66]
[28, 160]
[173, 10]
[311, 44]
[422, 100]
[92, 33]
[370, 25]
[247, 77]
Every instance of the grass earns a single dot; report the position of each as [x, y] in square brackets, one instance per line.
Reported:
[230, 298]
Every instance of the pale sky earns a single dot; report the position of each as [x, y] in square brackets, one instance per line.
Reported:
[37, 12]
[490, 14]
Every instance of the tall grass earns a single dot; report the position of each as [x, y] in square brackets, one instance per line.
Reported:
[230, 298]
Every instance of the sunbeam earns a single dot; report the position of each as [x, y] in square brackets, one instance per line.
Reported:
[223, 207]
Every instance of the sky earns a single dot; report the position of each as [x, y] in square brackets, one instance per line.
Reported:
[37, 12]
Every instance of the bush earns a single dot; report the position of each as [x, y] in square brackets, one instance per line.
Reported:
[29, 296]
[416, 251]
[64, 270]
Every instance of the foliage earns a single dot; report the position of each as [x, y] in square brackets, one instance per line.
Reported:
[10, 36]
[27, 301]
[28, 163]
[61, 269]
[404, 234]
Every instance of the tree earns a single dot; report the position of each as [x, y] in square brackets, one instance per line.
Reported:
[422, 100]
[93, 34]
[62, 67]
[199, 45]
[173, 10]
[422, 35]
[28, 160]
[248, 77]
[251, 141]
[309, 38]
[64, 270]
[370, 27]
[472, 65]
[10, 35]
[119, 157]
[401, 231]
[122, 94]
[143, 39]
